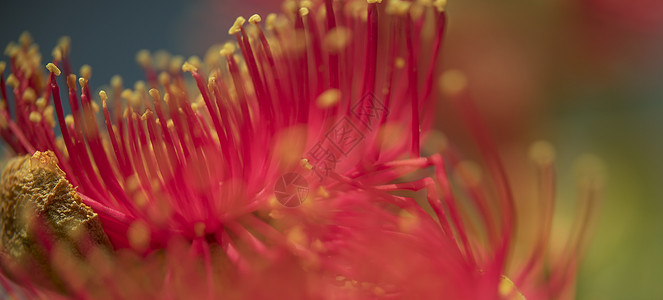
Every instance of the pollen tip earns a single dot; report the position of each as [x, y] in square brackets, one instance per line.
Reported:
[126, 94]
[306, 165]
[13, 81]
[323, 192]
[271, 20]
[116, 82]
[373, 1]
[57, 54]
[542, 153]
[71, 81]
[329, 98]
[255, 19]
[40, 103]
[53, 69]
[303, 11]
[143, 58]
[103, 95]
[3, 65]
[508, 289]
[237, 26]
[25, 39]
[69, 120]
[398, 7]
[228, 49]
[199, 229]
[453, 82]
[187, 67]
[86, 71]
[154, 93]
[82, 82]
[29, 95]
[146, 114]
[35, 117]
[440, 5]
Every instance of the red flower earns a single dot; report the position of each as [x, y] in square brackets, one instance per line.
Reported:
[322, 109]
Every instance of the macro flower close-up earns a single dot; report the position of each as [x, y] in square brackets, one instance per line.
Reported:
[329, 149]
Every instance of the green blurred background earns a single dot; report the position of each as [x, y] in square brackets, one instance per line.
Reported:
[585, 74]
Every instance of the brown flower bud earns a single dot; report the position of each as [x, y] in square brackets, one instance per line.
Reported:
[39, 211]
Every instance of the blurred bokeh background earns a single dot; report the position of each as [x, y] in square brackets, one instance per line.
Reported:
[584, 74]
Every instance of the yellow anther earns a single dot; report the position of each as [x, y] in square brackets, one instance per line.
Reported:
[48, 115]
[71, 81]
[146, 115]
[170, 123]
[255, 19]
[176, 63]
[306, 165]
[25, 39]
[35, 117]
[289, 6]
[103, 96]
[86, 72]
[187, 67]
[373, 1]
[29, 95]
[164, 78]
[154, 93]
[143, 58]
[199, 229]
[95, 107]
[82, 82]
[13, 81]
[140, 87]
[297, 236]
[53, 69]
[337, 39]
[407, 222]
[41, 103]
[228, 49]
[237, 26]
[271, 18]
[12, 50]
[139, 236]
[195, 61]
[329, 98]
[453, 82]
[303, 11]
[135, 100]
[398, 7]
[508, 289]
[440, 5]
[378, 291]
[3, 65]
[542, 153]
[127, 94]
[116, 82]
[57, 53]
[64, 44]
[69, 120]
[322, 192]
[399, 62]
[161, 59]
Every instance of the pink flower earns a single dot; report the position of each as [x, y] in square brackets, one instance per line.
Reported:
[175, 194]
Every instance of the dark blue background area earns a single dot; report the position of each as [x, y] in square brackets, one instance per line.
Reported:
[105, 34]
